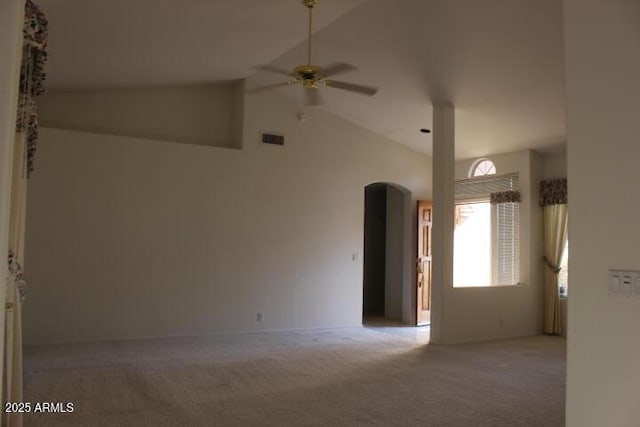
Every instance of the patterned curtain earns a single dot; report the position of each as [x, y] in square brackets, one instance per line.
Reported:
[553, 199]
[32, 76]
[16, 286]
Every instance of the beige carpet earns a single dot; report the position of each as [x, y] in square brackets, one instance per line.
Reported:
[373, 376]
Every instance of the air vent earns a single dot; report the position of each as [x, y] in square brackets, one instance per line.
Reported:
[272, 138]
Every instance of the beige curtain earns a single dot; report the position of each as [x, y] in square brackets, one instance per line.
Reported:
[555, 237]
[13, 329]
[32, 76]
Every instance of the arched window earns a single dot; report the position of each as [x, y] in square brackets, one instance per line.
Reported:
[482, 167]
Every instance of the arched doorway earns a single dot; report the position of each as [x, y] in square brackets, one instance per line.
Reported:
[387, 274]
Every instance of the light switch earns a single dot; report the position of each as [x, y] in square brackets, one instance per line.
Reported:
[636, 286]
[625, 285]
[614, 283]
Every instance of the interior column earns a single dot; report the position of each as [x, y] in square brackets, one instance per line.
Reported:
[443, 221]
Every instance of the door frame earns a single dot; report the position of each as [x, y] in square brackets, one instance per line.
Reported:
[423, 260]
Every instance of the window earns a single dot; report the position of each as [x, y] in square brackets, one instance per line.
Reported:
[482, 167]
[472, 244]
[486, 236]
[563, 276]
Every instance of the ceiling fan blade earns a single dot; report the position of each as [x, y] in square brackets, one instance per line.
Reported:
[264, 88]
[273, 69]
[312, 96]
[337, 68]
[365, 90]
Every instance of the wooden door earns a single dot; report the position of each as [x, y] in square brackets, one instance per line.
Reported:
[423, 264]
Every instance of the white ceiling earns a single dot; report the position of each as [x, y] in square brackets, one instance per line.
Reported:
[499, 62]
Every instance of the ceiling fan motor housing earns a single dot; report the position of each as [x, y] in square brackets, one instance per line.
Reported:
[307, 74]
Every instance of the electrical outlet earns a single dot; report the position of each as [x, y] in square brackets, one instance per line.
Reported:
[258, 317]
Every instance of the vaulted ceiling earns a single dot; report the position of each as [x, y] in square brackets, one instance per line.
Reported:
[499, 62]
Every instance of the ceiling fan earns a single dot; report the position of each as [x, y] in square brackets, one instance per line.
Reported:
[312, 76]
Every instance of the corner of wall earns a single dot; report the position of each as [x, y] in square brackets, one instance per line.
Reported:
[237, 114]
[536, 234]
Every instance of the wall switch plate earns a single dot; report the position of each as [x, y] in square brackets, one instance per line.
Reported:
[624, 283]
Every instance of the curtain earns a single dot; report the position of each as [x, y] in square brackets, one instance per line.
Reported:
[16, 285]
[32, 76]
[553, 199]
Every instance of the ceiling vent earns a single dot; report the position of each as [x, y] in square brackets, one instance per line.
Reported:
[272, 138]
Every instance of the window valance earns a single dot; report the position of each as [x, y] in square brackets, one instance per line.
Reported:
[32, 76]
[512, 196]
[553, 192]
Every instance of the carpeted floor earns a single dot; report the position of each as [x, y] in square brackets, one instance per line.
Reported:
[371, 376]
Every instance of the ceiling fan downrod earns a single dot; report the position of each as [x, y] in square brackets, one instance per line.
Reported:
[310, 4]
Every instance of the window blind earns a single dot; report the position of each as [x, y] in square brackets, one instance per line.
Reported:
[483, 186]
[507, 243]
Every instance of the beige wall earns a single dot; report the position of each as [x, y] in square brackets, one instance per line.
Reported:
[135, 238]
[503, 311]
[555, 165]
[603, 65]
[203, 114]
[395, 254]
